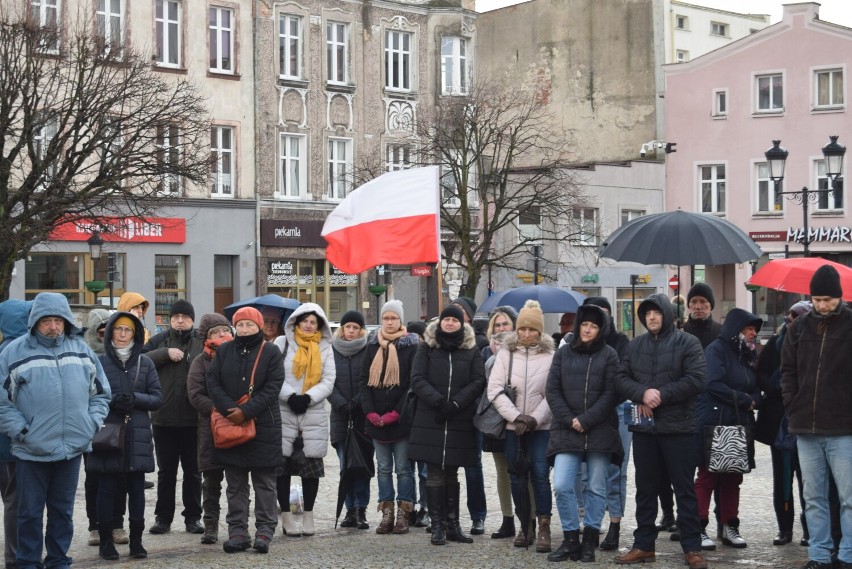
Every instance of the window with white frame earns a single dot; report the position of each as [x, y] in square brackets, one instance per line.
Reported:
[828, 84]
[398, 157]
[529, 225]
[293, 169]
[450, 194]
[681, 22]
[828, 201]
[109, 20]
[769, 91]
[167, 15]
[337, 52]
[339, 167]
[712, 188]
[681, 56]
[42, 139]
[454, 66]
[720, 103]
[221, 27]
[398, 60]
[719, 29]
[290, 46]
[222, 162]
[168, 156]
[46, 15]
[769, 200]
[628, 215]
[585, 227]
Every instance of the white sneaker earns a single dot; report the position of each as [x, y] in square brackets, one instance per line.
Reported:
[731, 536]
[308, 523]
[119, 536]
[291, 529]
[94, 537]
[707, 544]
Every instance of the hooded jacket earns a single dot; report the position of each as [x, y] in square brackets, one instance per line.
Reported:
[55, 393]
[130, 299]
[176, 410]
[139, 377]
[97, 317]
[670, 361]
[13, 324]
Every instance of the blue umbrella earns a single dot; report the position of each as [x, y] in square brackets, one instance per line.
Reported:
[551, 299]
[285, 305]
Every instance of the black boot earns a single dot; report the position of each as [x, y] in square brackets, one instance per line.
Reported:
[667, 522]
[454, 530]
[136, 549]
[106, 549]
[506, 530]
[422, 520]
[570, 548]
[610, 542]
[350, 520]
[590, 542]
[437, 497]
[806, 536]
[362, 519]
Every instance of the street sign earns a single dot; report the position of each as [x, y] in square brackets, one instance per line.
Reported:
[673, 282]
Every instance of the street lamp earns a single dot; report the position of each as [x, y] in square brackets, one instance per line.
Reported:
[777, 159]
[96, 244]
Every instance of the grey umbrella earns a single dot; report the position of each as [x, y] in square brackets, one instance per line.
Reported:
[680, 238]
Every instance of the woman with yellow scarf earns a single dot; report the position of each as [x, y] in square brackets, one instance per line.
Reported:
[310, 372]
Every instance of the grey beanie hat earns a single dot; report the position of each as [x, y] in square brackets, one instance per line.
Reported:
[394, 306]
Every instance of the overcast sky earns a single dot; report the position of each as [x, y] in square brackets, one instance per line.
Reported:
[835, 11]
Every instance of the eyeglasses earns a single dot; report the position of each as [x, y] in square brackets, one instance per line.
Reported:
[218, 331]
[390, 318]
[122, 330]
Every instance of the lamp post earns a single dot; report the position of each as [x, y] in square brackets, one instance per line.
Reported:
[777, 159]
[96, 243]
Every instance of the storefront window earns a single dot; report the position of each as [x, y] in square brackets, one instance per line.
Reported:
[625, 309]
[169, 285]
[56, 272]
[305, 280]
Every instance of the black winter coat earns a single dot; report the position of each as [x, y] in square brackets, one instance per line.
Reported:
[347, 389]
[670, 361]
[769, 378]
[383, 400]
[228, 379]
[176, 410]
[440, 375]
[706, 330]
[138, 376]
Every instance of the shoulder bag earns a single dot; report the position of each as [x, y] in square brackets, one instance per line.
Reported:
[727, 446]
[111, 436]
[227, 434]
[487, 418]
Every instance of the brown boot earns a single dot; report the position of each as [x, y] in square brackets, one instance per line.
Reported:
[529, 539]
[694, 560]
[403, 517]
[211, 531]
[635, 556]
[387, 510]
[543, 543]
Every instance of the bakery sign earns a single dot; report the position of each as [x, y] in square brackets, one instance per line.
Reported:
[826, 234]
[123, 229]
[291, 233]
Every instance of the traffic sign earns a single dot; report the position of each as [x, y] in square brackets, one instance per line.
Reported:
[673, 282]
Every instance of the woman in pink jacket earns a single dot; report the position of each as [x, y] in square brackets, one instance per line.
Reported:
[523, 364]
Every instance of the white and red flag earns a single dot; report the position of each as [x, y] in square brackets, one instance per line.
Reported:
[393, 219]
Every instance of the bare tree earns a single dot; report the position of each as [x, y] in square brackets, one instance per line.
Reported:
[87, 130]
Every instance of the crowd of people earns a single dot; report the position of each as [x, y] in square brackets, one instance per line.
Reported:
[574, 405]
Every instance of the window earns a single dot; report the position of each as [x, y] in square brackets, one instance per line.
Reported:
[628, 215]
[168, 158]
[170, 273]
[339, 167]
[829, 88]
[681, 56]
[768, 199]
[720, 103]
[828, 201]
[337, 52]
[222, 164]
[110, 25]
[585, 230]
[770, 93]
[529, 225]
[398, 157]
[168, 32]
[221, 24]
[46, 15]
[398, 60]
[290, 46]
[293, 169]
[718, 29]
[43, 137]
[713, 188]
[453, 66]
[681, 22]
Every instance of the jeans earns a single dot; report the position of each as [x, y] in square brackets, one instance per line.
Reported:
[566, 470]
[390, 456]
[114, 484]
[8, 483]
[819, 457]
[475, 483]
[616, 481]
[358, 495]
[422, 473]
[52, 485]
[536, 445]
[175, 445]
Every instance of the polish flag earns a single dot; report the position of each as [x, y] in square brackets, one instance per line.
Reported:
[392, 219]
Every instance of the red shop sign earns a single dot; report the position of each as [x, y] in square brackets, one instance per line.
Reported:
[421, 271]
[124, 229]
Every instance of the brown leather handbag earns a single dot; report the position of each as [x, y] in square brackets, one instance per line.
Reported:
[227, 434]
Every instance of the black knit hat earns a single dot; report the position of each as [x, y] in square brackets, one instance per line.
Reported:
[826, 282]
[598, 301]
[353, 316]
[453, 310]
[468, 305]
[416, 327]
[591, 312]
[182, 307]
[701, 289]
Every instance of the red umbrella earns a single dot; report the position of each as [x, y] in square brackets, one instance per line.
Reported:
[794, 275]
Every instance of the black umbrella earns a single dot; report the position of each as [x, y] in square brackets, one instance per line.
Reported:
[358, 463]
[680, 238]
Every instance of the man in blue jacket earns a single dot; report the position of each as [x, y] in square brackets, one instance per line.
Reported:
[55, 397]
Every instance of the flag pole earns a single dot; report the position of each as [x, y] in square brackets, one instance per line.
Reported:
[440, 286]
[440, 249]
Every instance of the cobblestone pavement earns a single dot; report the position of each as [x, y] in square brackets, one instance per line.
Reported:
[353, 548]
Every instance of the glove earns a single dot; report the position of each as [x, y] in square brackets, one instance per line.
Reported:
[123, 402]
[299, 403]
[345, 411]
[390, 418]
[374, 419]
[449, 409]
[520, 427]
[529, 420]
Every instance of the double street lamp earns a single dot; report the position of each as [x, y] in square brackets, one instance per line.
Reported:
[777, 159]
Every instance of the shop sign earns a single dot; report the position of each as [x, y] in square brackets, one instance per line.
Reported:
[291, 233]
[421, 271]
[281, 273]
[836, 234]
[767, 235]
[124, 229]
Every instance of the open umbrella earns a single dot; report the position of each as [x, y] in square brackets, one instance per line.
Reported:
[794, 275]
[551, 299]
[357, 463]
[680, 238]
[285, 305]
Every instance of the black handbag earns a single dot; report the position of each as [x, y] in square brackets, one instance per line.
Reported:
[487, 418]
[409, 408]
[111, 437]
[359, 455]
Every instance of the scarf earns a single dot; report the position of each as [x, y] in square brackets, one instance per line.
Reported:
[307, 362]
[449, 341]
[349, 348]
[123, 354]
[210, 346]
[387, 349]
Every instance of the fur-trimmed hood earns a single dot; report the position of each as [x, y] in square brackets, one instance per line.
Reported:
[469, 336]
[546, 345]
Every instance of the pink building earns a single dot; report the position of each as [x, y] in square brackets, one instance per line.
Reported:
[725, 108]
